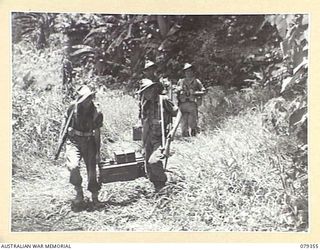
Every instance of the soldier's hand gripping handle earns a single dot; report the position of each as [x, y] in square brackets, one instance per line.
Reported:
[167, 147]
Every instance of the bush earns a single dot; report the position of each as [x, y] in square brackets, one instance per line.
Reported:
[219, 103]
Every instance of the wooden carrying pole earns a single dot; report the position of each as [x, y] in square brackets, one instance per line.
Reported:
[163, 137]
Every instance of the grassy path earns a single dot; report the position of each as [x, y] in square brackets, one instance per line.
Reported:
[221, 181]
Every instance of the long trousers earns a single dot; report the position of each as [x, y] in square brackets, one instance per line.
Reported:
[153, 158]
[78, 148]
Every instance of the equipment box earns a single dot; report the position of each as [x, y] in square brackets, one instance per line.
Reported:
[110, 171]
[124, 156]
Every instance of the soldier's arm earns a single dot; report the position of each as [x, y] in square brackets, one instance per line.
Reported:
[170, 107]
[200, 85]
[172, 133]
[179, 85]
[173, 110]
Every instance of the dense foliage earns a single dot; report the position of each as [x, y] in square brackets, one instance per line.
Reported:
[255, 68]
[116, 46]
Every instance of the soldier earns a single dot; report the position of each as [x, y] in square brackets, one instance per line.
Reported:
[83, 141]
[150, 115]
[189, 95]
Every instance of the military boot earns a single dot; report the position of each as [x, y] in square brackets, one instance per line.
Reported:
[185, 134]
[95, 199]
[158, 185]
[193, 132]
[79, 197]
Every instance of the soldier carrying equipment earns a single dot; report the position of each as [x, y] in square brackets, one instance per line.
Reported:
[82, 123]
[155, 113]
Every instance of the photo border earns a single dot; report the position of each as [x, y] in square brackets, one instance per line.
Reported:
[202, 7]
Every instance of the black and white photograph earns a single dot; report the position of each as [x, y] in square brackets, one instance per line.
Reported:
[159, 122]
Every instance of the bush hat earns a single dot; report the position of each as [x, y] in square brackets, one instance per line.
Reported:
[187, 66]
[148, 64]
[146, 83]
[83, 93]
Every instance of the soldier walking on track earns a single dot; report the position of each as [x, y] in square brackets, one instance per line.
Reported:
[189, 94]
[152, 131]
[83, 141]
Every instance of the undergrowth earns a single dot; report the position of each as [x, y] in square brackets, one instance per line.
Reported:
[239, 174]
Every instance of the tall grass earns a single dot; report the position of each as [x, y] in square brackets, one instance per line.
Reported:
[230, 183]
[36, 110]
[220, 103]
[120, 114]
[231, 177]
